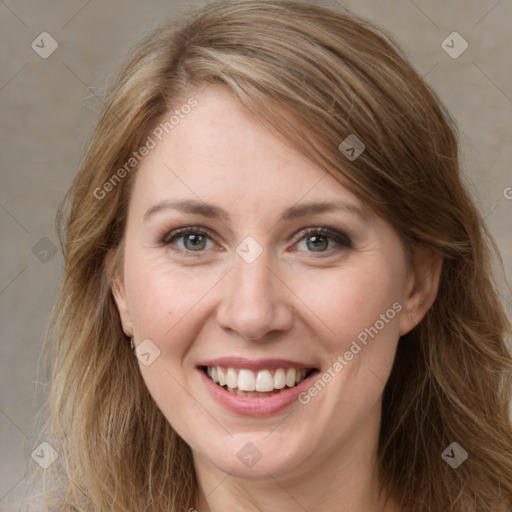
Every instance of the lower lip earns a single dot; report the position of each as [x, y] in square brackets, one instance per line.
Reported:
[257, 406]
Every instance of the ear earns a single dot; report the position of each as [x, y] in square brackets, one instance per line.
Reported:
[421, 288]
[116, 280]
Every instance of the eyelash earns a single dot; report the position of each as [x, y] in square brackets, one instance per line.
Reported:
[333, 234]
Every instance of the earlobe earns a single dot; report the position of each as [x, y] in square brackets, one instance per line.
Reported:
[422, 287]
[119, 293]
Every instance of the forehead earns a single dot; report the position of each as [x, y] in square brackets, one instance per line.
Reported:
[220, 152]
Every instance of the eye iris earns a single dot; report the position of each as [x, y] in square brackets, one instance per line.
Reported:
[197, 242]
[317, 242]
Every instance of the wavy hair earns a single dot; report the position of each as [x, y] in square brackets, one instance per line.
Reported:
[313, 76]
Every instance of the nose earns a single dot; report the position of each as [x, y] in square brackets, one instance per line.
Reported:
[254, 302]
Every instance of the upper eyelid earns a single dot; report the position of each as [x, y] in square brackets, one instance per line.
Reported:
[322, 230]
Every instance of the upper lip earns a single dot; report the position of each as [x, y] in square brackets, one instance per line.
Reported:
[255, 364]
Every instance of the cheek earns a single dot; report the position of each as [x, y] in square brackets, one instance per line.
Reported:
[164, 302]
[345, 301]
[357, 309]
[161, 297]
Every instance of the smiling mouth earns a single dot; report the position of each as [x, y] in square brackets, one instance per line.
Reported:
[257, 384]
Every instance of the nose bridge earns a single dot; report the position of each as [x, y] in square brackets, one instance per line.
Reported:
[252, 283]
[253, 303]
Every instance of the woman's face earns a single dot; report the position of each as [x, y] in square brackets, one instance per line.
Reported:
[242, 254]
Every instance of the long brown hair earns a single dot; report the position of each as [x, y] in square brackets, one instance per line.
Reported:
[314, 77]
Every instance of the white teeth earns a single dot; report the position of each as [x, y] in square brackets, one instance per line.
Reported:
[221, 376]
[232, 378]
[290, 377]
[246, 380]
[279, 379]
[263, 381]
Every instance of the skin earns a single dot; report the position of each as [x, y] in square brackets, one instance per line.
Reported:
[295, 301]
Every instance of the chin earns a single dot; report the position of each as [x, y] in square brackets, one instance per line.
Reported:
[255, 456]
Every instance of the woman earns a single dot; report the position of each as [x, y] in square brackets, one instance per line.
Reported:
[278, 294]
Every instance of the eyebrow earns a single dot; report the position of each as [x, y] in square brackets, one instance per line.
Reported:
[216, 212]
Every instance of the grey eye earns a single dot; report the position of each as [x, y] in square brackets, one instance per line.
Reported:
[315, 243]
[194, 242]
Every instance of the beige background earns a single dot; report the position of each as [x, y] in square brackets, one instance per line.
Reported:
[49, 106]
